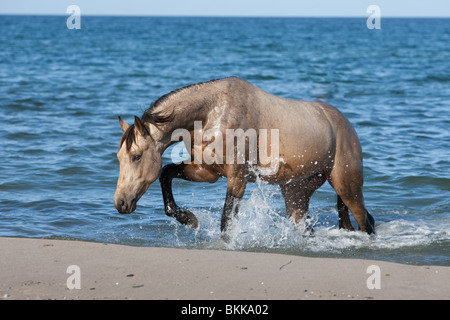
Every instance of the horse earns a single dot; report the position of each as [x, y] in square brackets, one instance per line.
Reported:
[316, 143]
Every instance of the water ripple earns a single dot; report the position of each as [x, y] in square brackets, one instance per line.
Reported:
[61, 91]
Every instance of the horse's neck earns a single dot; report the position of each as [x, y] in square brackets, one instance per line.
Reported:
[188, 108]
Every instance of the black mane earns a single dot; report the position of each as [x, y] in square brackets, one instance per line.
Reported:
[159, 117]
[162, 116]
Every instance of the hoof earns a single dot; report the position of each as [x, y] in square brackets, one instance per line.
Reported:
[369, 229]
[345, 225]
[187, 218]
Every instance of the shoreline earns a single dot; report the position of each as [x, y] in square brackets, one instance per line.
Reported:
[41, 269]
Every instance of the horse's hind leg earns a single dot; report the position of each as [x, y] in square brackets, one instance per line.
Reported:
[190, 172]
[236, 184]
[356, 205]
[297, 195]
[348, 185]
[344, 218]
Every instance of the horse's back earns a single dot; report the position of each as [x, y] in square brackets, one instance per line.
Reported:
[312, 135]
[277, 111]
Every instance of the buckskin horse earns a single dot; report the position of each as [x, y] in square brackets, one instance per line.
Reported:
[316, 143]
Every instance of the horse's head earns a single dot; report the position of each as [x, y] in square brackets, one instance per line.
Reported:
[140, 165]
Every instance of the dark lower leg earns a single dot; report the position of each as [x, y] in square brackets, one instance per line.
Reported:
[365, 221]
[230, 211]
[185, 217]
[344, 218]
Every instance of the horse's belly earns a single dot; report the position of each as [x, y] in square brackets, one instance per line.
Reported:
[300, 158]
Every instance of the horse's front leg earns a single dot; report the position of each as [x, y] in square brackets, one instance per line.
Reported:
[190, 172]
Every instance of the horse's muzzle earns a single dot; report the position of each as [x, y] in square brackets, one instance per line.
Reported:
[124, 206]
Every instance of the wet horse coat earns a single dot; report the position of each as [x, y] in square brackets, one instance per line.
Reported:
[316, 144]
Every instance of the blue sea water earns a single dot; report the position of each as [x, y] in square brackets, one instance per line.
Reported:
[61, 91]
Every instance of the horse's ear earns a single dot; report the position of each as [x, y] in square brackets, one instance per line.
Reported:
[123, 124]
[139, 125]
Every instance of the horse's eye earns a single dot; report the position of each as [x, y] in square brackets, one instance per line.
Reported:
[136, 157]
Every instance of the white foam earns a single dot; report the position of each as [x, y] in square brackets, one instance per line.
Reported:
[262, 224]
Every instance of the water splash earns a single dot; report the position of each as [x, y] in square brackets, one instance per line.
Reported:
[262, 225]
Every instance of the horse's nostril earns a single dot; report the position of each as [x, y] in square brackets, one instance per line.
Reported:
[121, 206]
[124, 206]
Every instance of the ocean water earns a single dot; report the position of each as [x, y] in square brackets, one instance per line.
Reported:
[61, 91]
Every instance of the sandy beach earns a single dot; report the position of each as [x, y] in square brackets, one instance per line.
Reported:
[56, 269]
